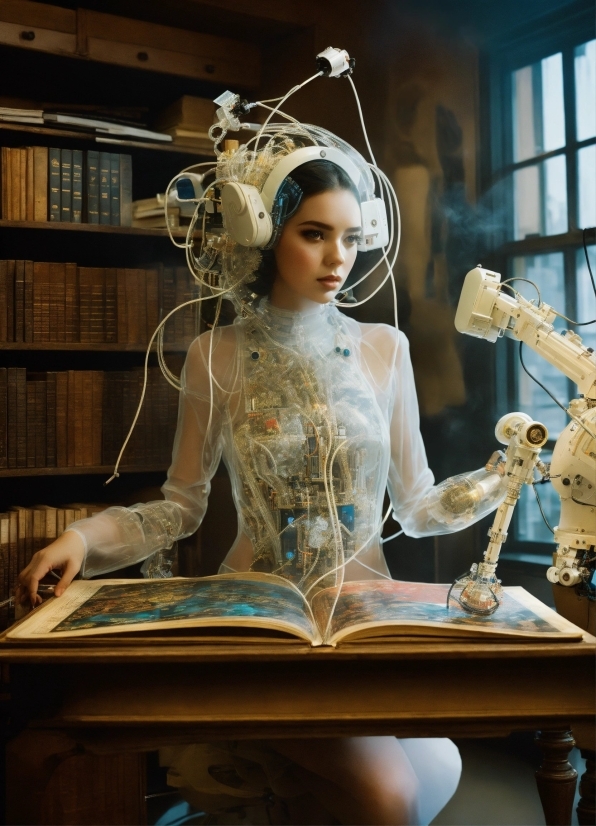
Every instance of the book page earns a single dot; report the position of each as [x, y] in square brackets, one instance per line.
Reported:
[380, 608]
[117, 606]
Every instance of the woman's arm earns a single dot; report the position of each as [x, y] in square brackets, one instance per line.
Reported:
[120, 536]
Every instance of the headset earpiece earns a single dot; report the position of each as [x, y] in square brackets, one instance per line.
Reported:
[246, 219]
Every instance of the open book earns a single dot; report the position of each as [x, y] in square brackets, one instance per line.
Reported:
[265, 603]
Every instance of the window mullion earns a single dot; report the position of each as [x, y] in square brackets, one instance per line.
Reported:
[569, 99]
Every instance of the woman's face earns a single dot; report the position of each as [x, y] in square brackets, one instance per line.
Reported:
[316, 250]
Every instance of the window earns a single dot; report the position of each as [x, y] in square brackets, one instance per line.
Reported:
[543, 111]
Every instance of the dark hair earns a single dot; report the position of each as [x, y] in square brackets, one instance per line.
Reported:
[313, 178]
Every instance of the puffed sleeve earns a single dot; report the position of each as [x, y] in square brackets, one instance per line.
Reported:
[119, 536]
[421, 507]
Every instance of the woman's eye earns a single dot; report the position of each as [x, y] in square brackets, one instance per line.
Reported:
[354, 239]
[313, 234]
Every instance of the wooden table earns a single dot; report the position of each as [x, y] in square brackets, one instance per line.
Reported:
[134, 695]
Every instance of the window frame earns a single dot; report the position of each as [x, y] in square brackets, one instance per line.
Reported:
[561, 32]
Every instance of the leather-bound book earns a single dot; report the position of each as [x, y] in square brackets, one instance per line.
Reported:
[3, 300]
[54, 184]
[85, 298]
[10, 274]
[19, 183]
[125, 191]
[97, 320]
[31, 403]
[29, 185]
[82, 419]
[95, 434]
[40, 423]
[121, 311]
[3, 417]
[77, 186]
[71, 303]
[62, 419]
[46, 297]
[152, 288]
[104, 187]
[87, 407]
[66, 185]
[57, 302]
[142, 305]
[21, 421]
[51, 389]
[115, 190]
[111, 301]
[40, 183]
[19, 301]
[4, 181]
[132, 308]
[92, 186]
[11, 416]
[71, 416]
[28, 309]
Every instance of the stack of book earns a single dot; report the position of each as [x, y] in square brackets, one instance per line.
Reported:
[150, 213]
[18, 115]
[79, 418]
[188, 121]
[23, 531]
[52, 301]
[69, 185]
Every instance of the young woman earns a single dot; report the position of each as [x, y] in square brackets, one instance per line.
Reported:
[314, 415]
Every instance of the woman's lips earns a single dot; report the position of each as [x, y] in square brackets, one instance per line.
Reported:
[330, 281]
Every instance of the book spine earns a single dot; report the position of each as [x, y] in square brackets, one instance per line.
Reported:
[40, 424]
[31, 403]
[92, 175]
[141, 298]
[121, 306]
[19, 301]
[4, 181]
[30, 186]
[104, 187]
[97, 410]
[54, 300]
[40, 183]
[21, 422]
[22, 184]
[87, 428]
[51, 388]
[81, 415]
[77, 186]
[110, 315]
[28, 310]
[3, 300]
[97, 318]
[54, 184]
[125, 191]
[115, 190]
[39, 277]
[61, 419]
[46, 295]
[85, 289]
[107, 422]
[132, 313]
[152, 290]
[13, 550]
[71, 303]
[60, 288]
[66, 185]
[11, 416]
[3, 417]
[10, 284]
[71, 413]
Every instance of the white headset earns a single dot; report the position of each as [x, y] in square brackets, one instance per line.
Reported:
[247, 212]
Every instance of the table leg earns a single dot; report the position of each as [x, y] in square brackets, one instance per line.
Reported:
[556, 778]
[586, 808]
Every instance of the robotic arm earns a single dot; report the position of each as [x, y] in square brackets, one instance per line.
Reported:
[484, 311]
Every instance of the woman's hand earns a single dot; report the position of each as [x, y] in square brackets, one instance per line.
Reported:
[66, 554]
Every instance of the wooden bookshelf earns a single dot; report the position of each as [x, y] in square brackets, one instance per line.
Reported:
[101, 228]
[78, 471]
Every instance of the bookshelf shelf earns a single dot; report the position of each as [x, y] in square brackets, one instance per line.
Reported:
[101, 228]
[78, 471]
[102, 140]
[80, 346]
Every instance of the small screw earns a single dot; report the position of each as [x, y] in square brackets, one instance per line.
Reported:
[261, 214]
[323, 153]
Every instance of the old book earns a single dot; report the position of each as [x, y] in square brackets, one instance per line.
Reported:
[111, 306]
[132, 307]
[85, 297]
[121, 311]
[40, 183]
[125, 191]
[40, 423]
[18, 183]
[21, 412]
[10, 299]
[3, 300]
[62, 419]
[39, 529]
[51, 389]
[97, 320]
[54, 184]
[22, 183]
[72, 412]
[95, 434]
[141, 305]
[22, 536]
[3, 417]
[31, 411]
[104, 187]
[114, 189]
[71, 303]
[92, 176]
[30, 186]
[49, 521]
[152, 303]
[4, 181]
[46, 299]
[11, 416]
[377, 611]
[66, 185]
[77, 186]
[4, 550]
[19, 301]
[13, 550]
[84, 431]
[57, 302]
[189, 112]
[28, 309]
[41, 276]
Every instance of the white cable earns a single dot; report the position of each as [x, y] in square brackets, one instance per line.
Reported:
[370, 152]
[393, 536]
